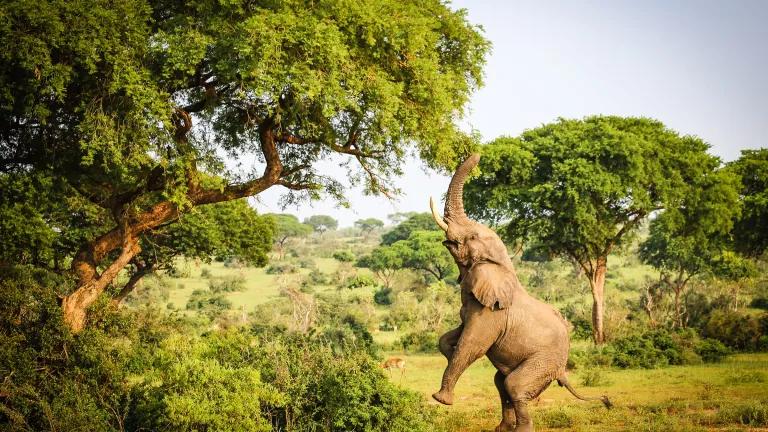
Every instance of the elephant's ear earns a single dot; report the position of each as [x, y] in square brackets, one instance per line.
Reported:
[491, 284]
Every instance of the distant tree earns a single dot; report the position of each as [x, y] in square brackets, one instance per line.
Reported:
[750, 233]
[133, 106]
[690, 239]
[414, 222]
[368, 225]
[287, 226]
[227, 230]
[384, 262]
[423, 251]
[583, 187]
[398, 217]
[321, 223]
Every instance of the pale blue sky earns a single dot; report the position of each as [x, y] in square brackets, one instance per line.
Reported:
[701, 67]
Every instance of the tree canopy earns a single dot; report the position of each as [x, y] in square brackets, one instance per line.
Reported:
[582, 187]
[133, 107]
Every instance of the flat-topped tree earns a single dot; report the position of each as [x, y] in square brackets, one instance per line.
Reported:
[322, 223]
[287, 226]
[583, 187]
[134, 103]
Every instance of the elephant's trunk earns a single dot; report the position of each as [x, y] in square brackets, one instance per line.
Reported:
[454, 203]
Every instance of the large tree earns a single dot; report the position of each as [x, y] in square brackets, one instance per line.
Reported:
[582, 187]
[413, 222]
[751, 229]
[135, 105]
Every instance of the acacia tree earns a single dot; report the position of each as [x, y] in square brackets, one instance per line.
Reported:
[368, 225]
[322, 223]
[287, 226]
[689, 239]
[132, 104]
[582, 187]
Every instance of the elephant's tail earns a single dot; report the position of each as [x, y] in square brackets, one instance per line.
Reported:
[563, 381]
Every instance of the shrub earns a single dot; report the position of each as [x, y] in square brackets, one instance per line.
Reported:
[208, 303]
[316, 277]
[205, 273]
[344, 256]
[281, 268]
[741, 331]
[360, 281]
[226, 284]
[383, 296]
[419, 341]
[306, 263]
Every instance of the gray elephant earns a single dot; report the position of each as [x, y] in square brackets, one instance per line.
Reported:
[524, 338]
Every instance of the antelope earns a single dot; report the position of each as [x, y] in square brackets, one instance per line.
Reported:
[394, 363]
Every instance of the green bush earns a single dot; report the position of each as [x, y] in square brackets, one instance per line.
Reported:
[205, 273]
[281, 268]
[226, 284]
[360, 281]
[759, 303]
[419, 341]
[738, 330]
[344, 256]
[138, 369]
[556, 418]
[383, 296]
[208, 303]
[653, 349]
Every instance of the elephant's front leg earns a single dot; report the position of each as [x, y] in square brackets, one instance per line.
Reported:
[449, 340]
[476, 339]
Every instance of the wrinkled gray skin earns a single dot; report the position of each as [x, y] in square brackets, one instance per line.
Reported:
[524, 338]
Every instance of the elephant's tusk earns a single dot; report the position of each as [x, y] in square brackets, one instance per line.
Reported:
[438, 219]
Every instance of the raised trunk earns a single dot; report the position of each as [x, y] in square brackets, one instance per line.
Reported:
[454, 202]
[597, 283]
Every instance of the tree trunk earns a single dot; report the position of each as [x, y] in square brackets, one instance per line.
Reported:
[597, 283]
[91, 284]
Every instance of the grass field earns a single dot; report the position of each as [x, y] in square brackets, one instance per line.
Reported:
[722, 396]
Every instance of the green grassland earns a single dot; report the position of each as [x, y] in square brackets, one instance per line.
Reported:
[720, 396]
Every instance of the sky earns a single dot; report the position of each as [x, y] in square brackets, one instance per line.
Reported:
[700, 67]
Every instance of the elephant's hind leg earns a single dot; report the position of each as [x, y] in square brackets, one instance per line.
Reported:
[507, 409]
[524, 383]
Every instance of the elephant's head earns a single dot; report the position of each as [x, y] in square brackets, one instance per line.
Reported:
[468, 241]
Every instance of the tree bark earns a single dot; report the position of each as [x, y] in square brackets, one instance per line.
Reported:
[597, 283]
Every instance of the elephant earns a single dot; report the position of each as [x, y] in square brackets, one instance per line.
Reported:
[525, 339]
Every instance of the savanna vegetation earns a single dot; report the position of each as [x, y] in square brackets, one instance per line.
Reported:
[140, 291]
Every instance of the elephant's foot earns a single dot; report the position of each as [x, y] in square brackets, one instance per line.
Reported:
[444, 397]
[527, 427]
[505, 427]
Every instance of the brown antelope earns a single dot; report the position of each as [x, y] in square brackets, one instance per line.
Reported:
[394, 363]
